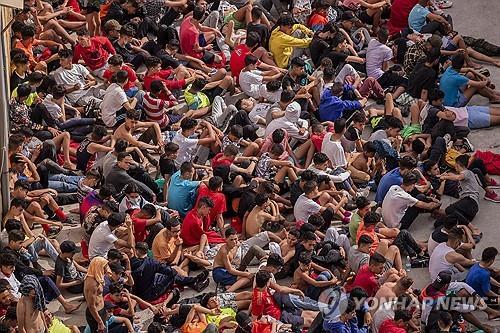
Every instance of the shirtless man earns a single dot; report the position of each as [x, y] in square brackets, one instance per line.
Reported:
[95, 314]
[31, 306]
[303, 281]
[286, 248]
[363, 167]
[153, 133]
[223, 271]
[265, 210]
[390, 291]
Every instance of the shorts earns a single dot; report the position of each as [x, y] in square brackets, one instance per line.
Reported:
[237, 24]
[222, 276]
[227, 300]
[212, 93]
[479, 116]
[392, 79]
[293, 318]
[462, 101]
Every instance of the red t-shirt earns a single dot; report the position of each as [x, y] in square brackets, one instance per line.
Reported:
[370, 233]
[220, 160]
[192, 229]
[140, 225]
[317, 139]
[96, 55]
[400, 10]
[219, 200]
[389, 326]
[188, 36]
[131, 76]
[263, 303]
[163, 75]
[237, 61]
[366, 280]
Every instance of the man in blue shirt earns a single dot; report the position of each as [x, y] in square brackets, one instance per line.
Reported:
[394, 177]
[332, 107]
[458, 89]
[479, 276]
[422, 20]
[182, 190]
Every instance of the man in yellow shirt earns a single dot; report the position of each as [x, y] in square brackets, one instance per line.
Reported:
[282, 43]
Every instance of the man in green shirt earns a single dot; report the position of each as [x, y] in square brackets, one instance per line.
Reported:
[363, 206]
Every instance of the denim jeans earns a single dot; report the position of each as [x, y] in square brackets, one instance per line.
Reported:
[63, 183]
[42, 244]
[314, 292]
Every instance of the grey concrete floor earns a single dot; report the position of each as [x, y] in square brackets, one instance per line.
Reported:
[479, 18]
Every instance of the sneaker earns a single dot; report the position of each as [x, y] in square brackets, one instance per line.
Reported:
[199, 286]
[447, 139]
[364, 192]
[444, 4]
[493, 184]
[176, 295]
[468, 145]
[53, 232]
[492, 196]
[70, 221]
[202, 276]
[419, 262]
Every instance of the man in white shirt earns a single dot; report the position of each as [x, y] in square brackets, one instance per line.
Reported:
[290, 122]
[332, 144]
[253, 81]
[115, 103]
[400, 208]
[80, 85]
[103, 238]
[189, 145]
[7, 267]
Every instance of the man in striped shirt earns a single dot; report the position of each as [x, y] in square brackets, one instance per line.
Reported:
[156, 108]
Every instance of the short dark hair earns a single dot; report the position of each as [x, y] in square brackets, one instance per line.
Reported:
[198, 12]
[17, 202]
[320, 158]
[236, 130]
[308, 175]
[489, 254]
[285, 20]
[186, 167]
[383, 35]
[172, 223]
[115, 60]
[128, 30]
[361, 202]
[457, 61]
[287, 96]
[305, 258]
[256, 13]
[262, 278]
[310, 186]
[329, 74]
[307, 236]
[278, 135]
[456, 233]
[8, 259]
[155, 327]
[12, 224]
[403, 315]
[231, 150]
[120, 146]
[116, 219]
[411, 178]
[206, 201]
[23, 90]
[152, 62]
[131, 188]
[418, 146]
[337, 89]
[462, 160]
[276, 149]
[297, 62]
[99, 132]
[358, 117]
[83, 32]
[27, 32]
[16, 236]
[393, 122]
[250, 59]
[372, 218]
[157, 87]
[252, 39]
[214, 183]
[188, 123]
[435, 94]
[149, 209]
[171, 147]
[58, 91]
[229, 232]
[261, 198]
[20, 58]
[121, 156]
[275, 260]
[22, 183]
[121, 76]
[377, 258]
[365, 239]
[65, 53]
[339, 125]
[206, 298]
[407, 163]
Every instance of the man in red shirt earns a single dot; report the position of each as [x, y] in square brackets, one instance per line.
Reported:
[368, 275]
[94, 51]
[172, 78]
[397, 325]
[192, 227]
[251, 46]
[145, 218]
[115, 64]
[214, 192]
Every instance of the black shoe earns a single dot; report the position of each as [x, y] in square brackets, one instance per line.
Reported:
[69, 221]
[202, 276]
[199, 286]
[176, 295]
[419, 262]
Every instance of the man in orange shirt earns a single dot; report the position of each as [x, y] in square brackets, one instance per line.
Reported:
[26, 44]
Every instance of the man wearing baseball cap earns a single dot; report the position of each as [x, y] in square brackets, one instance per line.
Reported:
[359, 36]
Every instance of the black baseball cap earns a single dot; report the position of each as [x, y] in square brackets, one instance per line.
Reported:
[116, 267]
[69, 247]
[442, 280]
[348, 16]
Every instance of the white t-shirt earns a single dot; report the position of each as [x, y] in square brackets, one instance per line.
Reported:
[14, 284]
[113, 100]
[380, 135]
[53, 109]
[461, 116]
[384, 311]
[305, 207]
[395, 204]
[259, 111]
[101, 241]
[376, 54]
[68, 77]
[334, 150]
[187, 148]
[250, 82]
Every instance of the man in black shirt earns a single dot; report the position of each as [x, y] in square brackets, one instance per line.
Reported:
[131, 54]
[260, 25]
[300, 83]
[320, 46]
[423, 78]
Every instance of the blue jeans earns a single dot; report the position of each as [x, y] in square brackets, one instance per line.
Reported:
[42, 244]
[63, 183]
[314, 292]
[75, 122]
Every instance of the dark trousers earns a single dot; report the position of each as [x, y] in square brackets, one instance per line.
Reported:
[392, 79]
[50, 289]
[437, 152]
[412, 213]
[406, 243]
[466, 207]
[249, 128]
[253, 252]
[91, 320]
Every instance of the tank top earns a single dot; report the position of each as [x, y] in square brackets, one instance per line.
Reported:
[83, 156]
[438, 262]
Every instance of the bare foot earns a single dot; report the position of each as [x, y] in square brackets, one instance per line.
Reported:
[475, 65]
[70, 308]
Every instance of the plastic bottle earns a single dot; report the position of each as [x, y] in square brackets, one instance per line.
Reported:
[408, 264]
